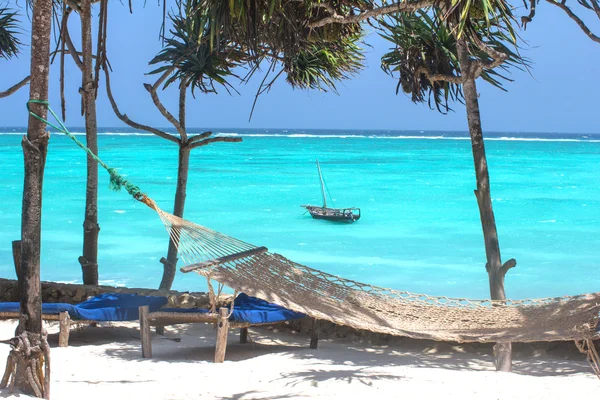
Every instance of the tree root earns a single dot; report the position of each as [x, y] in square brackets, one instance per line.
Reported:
[28, 364]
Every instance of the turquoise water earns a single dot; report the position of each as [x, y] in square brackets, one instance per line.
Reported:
[419, 230]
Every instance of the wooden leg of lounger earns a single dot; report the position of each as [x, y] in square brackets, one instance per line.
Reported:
[222, 331]
[145, 332]
[160, 330]
[64, 321]
[314, 337]
[243, 335]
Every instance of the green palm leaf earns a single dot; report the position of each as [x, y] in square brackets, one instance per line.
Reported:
[9, 42]
[422, 42]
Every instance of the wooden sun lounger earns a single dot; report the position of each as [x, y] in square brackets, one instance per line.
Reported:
[161, 319]
[64, 319]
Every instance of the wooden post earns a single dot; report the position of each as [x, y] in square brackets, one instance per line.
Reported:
[222, 331]
[16, 249]
[244, 335]
[314, 337]
[145, 332]
[65, 328]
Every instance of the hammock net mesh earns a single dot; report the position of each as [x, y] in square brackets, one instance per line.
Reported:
[255, 271]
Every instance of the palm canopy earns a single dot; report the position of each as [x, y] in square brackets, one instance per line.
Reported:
[424, 55]
[9, 42]
[209, 39]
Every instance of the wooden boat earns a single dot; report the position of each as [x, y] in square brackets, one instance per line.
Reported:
[349, 214]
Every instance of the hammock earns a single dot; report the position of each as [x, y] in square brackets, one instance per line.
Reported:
[257, 272]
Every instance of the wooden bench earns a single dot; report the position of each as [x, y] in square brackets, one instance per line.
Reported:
[221, 319]
[64, 319]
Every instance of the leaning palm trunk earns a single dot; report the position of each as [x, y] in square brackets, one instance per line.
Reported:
[28, 364]
[496, 271]
[89, 259]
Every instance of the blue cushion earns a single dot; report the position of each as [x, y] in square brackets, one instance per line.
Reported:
[117, 306]
[103, 307]
[251, 310]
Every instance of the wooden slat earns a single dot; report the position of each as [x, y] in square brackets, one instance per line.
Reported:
[224, 259]
[159, 318]
[45, 317]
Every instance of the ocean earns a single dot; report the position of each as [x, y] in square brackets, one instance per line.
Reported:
[419, 230]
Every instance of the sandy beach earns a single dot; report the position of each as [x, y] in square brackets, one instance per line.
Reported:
[105, 363]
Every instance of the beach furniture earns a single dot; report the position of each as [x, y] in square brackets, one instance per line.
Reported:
[246, 312]
[349, 214]
[103, 307]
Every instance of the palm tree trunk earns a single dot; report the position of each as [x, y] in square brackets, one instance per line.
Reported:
[30, 343]
[496, 271]
[170, 263]
[89, 259]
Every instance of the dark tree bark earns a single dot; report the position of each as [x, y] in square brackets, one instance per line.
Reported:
[496, 270]
[29, 349]
[16, 249]
[170, 264]
[186, 145]
[89, 259]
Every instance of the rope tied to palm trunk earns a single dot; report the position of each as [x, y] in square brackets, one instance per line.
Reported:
[117, 181]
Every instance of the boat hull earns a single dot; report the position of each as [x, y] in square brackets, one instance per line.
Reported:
[347, 215]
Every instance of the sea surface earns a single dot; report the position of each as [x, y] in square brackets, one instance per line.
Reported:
[419, 231]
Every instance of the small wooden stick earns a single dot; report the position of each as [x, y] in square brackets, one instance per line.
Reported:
[314, 337]
[222, 331]
[145, 332]
[243, 335]
[65, 328]
[7, 371]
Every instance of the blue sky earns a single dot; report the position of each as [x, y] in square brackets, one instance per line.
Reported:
[558, 96]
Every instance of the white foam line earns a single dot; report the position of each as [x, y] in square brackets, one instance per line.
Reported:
[379, 137]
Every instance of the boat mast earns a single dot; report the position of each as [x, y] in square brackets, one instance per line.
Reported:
[322, 185]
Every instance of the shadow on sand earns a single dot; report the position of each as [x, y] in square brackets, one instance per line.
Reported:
[195, 343]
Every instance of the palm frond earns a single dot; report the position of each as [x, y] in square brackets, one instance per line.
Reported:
[199, 56]
[9, 42]
[322, 63]
[210, 38]
[424, 45]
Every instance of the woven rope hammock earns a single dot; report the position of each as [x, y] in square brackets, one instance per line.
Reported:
[255, 271]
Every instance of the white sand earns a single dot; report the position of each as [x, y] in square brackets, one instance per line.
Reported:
[106, 363]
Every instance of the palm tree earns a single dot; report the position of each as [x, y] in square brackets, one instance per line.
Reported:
[90, 75]
[9, 45]
[30, 352]
[481, 31]
[206, 50]
[193, 64]
[441, 49]
[437, 65]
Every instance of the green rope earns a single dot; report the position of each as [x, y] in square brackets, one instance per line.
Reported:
[116, 180]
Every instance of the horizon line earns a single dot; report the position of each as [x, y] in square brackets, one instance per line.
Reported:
[327, 129]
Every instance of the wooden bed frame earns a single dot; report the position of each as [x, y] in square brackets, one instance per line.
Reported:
[63, 318]
[160, 319]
